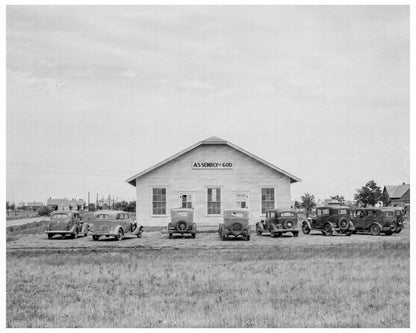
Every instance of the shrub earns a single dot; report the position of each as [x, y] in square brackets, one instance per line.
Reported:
[44, 211]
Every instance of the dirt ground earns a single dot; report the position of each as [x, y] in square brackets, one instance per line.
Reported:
[203, 240]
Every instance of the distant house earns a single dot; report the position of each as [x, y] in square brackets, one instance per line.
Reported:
[34, 206]
[66, 204]
[397, 195]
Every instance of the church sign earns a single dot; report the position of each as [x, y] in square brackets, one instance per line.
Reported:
[212, 165]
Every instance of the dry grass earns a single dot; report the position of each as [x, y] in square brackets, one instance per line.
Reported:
[359, 285]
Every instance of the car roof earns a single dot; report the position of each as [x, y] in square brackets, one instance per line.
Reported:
[335, 206]
[110, 212]
[64, 212]
[282, 211]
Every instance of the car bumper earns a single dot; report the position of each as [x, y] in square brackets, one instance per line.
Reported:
[286, 230]
[102, 234]
[53, 232]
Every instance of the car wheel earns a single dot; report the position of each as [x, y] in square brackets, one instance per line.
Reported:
[305, 229]
[50, 236]
[120, 234]
[95, 238]
[248, 238]
[279, 234]
[193, 235]
[375, 229]
[343, 224]
[258, 232]
[328, 230]
[224, 237]
[139, 234]
[348, 233]
[272, 234]
[295, 233]
[170, 235]
[388, 233]
[397, 231]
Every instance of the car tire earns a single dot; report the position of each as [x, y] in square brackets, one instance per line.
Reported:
[278, 234]
[375, 229]
[348, 233]
[397, 231]
[258, 232]
[272, 234]
[50, 236]
[120, 234]
[170, 235]
[305, 229]
[95, 238]
[295, 233]
[224, 237]
[248, 238]
[343, 224]
[193, 235]
[328, 230]
[388, 233]
[139, 234]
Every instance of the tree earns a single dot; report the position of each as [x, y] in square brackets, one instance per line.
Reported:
[91, 207]
[297, 204]
[369, 194]
[339, 198]
[308, 202]
[131, 207]
[44, 211]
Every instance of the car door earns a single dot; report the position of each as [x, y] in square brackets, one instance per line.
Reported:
[315, 223]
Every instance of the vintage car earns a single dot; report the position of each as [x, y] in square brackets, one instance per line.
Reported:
[375, 220]
[329, 219]
[235, 224]
[278, 222]
[66, 223]
[399, 212]
[113, 223]
[182, 222]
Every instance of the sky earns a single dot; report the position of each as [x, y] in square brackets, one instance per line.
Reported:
[96, 94]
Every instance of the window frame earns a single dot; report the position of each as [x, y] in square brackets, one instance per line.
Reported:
[152, 201]
[207, 187]
[268, 201]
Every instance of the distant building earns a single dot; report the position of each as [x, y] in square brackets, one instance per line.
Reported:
[66, 204]
[397, 195]
[34, 206]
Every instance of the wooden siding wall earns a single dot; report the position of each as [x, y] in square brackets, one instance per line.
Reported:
[247, 175]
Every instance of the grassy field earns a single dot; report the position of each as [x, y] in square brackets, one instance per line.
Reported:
[348, 285]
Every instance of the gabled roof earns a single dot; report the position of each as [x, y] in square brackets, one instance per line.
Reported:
[211, 141]
[396, 191]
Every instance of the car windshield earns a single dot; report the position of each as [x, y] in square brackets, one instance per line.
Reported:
[59, 216]
[103, 216]
[287, 214]
[342, 212]
[388, 214]
[398, 213]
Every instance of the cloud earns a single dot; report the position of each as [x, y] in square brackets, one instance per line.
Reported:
[129, 74]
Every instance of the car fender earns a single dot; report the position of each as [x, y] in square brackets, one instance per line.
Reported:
[116, 228]
[139, 229]
[307, 223]
[330, 223]
[72, 230]
[273, 227]
[379, 225]
[84, 228]
[259, 225]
